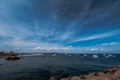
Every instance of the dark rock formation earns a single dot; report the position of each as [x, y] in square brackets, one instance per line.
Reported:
[12, 58]
[11, 53]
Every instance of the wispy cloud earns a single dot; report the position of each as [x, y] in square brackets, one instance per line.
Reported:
[98, 36]
[111, 44]
[15, 31]
[31, 25]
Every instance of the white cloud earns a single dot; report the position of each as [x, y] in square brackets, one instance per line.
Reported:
[16, 31]
[53, 48]
[110, 44]
[98, 36]
[93, 49]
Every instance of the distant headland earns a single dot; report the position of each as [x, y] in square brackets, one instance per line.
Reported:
[9, 55]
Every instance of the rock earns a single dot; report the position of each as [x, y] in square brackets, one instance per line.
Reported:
[12, 58]
[75, 78]
[108, 74]
[106, 71]
[52, 78]
[83, 77]
[113, 71]
[96, 74]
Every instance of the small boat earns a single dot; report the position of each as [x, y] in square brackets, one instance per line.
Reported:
[109, 56]
[85, 55]
[69, 55]
[95, 56]
[54, 54]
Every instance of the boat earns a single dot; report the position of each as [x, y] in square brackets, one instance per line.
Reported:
[95, 56]
[109, 56]
[69, 55]
[85, 55]
[54, 54]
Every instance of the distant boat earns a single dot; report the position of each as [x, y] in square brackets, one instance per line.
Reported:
[109, 56]
[85, 55]
[69, 55]
[54, 54]
[95, 56]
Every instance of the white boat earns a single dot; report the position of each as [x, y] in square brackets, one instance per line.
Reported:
[54, 54]
[85, 55]
[109, 56]
[95, 56]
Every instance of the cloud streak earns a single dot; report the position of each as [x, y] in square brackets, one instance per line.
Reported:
[43, 25]
[98, 36]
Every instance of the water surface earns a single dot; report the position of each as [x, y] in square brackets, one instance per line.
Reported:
[42, 68]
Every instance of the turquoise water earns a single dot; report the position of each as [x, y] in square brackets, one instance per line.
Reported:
[42, 68]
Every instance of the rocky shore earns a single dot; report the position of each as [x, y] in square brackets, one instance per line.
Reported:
[112, 73]
[9, 55]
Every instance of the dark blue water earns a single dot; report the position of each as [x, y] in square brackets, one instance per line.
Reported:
[42, 68]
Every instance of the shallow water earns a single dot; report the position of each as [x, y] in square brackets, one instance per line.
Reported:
[42, 68]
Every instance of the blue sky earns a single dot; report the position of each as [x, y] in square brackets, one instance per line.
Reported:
[76, 26]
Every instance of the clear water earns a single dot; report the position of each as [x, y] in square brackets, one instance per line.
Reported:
[42, 68]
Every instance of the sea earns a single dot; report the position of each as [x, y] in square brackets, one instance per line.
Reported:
[58, 66]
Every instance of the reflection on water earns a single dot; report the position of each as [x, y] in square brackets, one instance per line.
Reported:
[41, 68]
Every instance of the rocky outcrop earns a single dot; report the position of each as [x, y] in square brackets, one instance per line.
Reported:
[52, 78]
[12, 58]
[9, 55]
[109, 74]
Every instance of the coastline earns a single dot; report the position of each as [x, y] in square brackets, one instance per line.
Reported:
[51, 67]
[34, 54]
[112, 73]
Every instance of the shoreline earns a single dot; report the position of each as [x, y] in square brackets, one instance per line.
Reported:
[23, 55]
[112, 73]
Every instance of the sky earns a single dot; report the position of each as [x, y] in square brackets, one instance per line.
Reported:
[73, 26]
